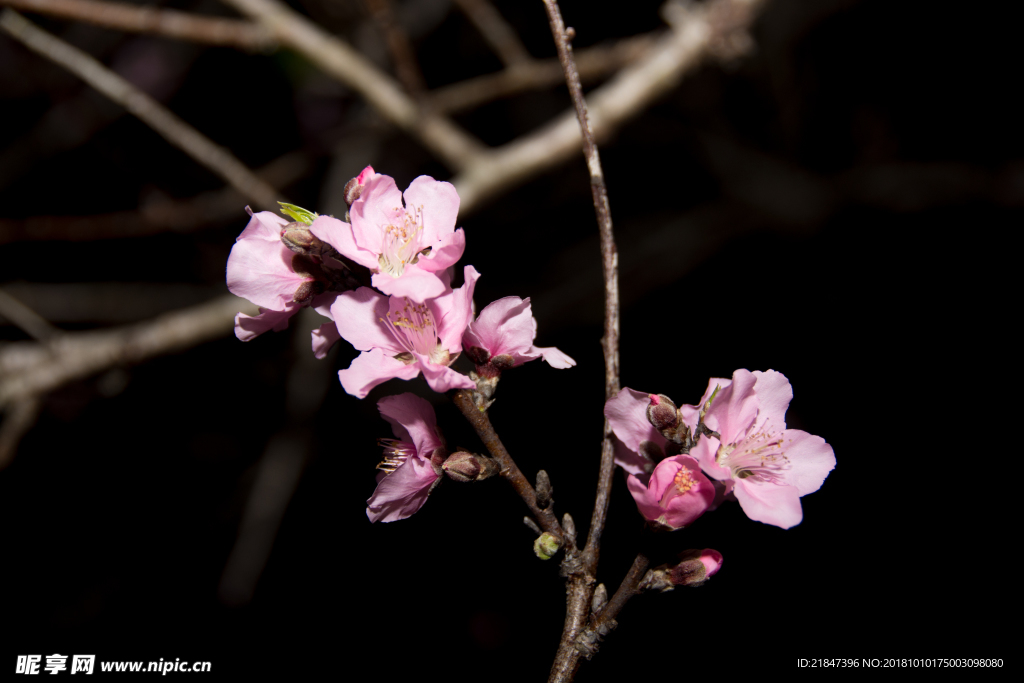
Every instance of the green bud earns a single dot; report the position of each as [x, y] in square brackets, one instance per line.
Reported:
[546, 546]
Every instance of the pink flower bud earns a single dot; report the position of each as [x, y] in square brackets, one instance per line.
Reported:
[465, 467]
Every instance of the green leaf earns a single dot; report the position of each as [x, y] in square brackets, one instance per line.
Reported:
[298, 213]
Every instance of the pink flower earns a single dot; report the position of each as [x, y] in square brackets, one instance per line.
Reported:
[412, 460]
[767, 466]
[507, 328]
[640, 446]
[404, 245]
[263, 269]
[402, 338]
[675, 494]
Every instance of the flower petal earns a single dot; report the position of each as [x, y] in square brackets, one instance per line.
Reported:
[555, 358]
[439, 203]
[358, 315]
[627, 414]
[734, 408]
[775, 504]
[445, 252]
[773, 395]
[260, 270]
[248, 327]
[339, 235]
[379, 205]
[400, 494]
[505, 326]
[415, 283]
[452, 312]
[413, 420]
[371, 368]
[442, 378]
[324, 337]
[810, 460]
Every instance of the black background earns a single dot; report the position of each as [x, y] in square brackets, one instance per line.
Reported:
[837, 206]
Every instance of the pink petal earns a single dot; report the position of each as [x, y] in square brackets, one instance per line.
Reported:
[440, 204]
[627, 414]
[371, 368]
[810, 460]
[775, 504]
[445, 252]
[248, 327]
[632, 462]
[645, 501]
[415, 283]
[339, 235]
[260, 270]
[403, 492]
[773, 394]
[358, 315]
[505, 326]
[364, 175]
[379, 205]
[555, 358]
[263, 225]
[442, 378]
[413, 421]
[683, 509]
[453, 310]
[324, 337]
[734, 408]
[705, 452]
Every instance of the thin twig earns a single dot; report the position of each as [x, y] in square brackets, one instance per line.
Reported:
[495, 30]
[545, 517]
[628, 93]
[160, 215]
[609, 260]
[403, 56]
[447, 141]
[32, 369]
[30, 322]
[163, 22]
[627, 590]
[593, 63]
[156, 116]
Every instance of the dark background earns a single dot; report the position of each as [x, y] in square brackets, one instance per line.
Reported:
[837, 206]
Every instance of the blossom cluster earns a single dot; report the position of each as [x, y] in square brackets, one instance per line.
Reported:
[683, 461]
[383, 277]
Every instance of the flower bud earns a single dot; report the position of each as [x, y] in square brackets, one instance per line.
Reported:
[478, 355]
[693, 568]
[662, 412]
[307, 290]
[297, 237]
[354, 187]
[503, 361]
[466, 467]
[546, 546]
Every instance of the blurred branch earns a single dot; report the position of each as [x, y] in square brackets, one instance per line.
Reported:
[279, 470]
[173, 129]
[697, 32]
[107, 302]
[160, 215]
[447, 141]
[592, 63]
[33, 324]
[30, 369]
[495, 30]
[164, 22]
[403, 56]
[18, 420]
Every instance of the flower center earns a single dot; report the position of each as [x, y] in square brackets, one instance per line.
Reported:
[401, 244]
[759, 455]
[683, 482]
[413, 328]
[395, 453]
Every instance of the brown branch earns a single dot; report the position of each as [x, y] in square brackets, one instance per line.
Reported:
[545, 517]
[440, 135]
[605, 621]
[173, 129]
[29, 369]
[609, 259]
[495, 30]
[702, 34]
[403, 56]
[592, 63]
[161, 215]
[163, 22]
